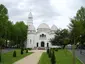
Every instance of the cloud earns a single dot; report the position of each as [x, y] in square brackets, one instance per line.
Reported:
[51, 12]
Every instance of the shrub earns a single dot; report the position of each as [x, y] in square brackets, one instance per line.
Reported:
[14, 54]
[29, 48]
[56, 49]
[47, 51]
[22, 50]
[26, 50]
[53, 61]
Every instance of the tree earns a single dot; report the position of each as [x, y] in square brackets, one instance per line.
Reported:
[14, 54]
[61, 38]
[3, 21]
[53, 60]
[19, 33]
[77, 28]
[13, 34]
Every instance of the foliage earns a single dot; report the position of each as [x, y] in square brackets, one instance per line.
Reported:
[12, 34]
[22, 50]
[2, 41]
[61, 38]
[14, 54]
[77, 26]
[47, 51]
[53, 60]
[26, 50]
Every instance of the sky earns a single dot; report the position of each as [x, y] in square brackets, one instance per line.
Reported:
[51, 12]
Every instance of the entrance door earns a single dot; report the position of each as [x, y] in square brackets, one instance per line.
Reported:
[37, 44]
[42, 44]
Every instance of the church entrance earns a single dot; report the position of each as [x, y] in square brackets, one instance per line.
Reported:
[37, 44]
[42, 44]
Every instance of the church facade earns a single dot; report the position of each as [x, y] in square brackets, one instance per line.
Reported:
[40, 37]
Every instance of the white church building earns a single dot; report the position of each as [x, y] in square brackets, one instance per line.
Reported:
[40, 37]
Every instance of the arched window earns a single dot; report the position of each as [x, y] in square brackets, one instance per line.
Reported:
[30, 41]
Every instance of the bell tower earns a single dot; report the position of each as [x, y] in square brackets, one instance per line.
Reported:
[30, 19]
[30, 32]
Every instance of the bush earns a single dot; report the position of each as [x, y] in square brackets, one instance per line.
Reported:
[14, 54]
[26, 50]
[53, 61]
[22, 51]
[56, 49]
[47, 51]
[29, 48]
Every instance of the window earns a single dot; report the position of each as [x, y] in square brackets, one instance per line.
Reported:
[42, 36]
[30, 41]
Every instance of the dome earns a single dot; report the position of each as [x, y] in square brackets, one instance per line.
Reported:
[43, 25]
[53, 27]
[31, 27]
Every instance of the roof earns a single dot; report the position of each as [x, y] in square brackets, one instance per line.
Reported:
[53, 27]
[43, 25]
[31, 27]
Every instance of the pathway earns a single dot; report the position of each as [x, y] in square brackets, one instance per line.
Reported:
[31, 59]
[81, 56]
[7, 50]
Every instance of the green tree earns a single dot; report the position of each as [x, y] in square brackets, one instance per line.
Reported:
[19, 33]
[61, 38]
[77, 28]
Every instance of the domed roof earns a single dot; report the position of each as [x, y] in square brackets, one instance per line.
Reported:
[53, 27]
[31, 27]
[43, 25]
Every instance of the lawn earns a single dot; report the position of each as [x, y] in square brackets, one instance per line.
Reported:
[7, 58]
[62, 57]
[65, 57]
[44, 59]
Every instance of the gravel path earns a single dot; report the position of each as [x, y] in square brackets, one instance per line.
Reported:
[31, 59]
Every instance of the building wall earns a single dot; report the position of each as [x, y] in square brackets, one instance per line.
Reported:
[30, 40]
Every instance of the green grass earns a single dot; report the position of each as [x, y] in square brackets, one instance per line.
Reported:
[7, 58]
[65, 57]
[44, 59]
[62, 57]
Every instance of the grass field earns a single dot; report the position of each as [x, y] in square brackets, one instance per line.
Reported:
[7, 58]
[44, 59]
[62, 57]
[65, 57]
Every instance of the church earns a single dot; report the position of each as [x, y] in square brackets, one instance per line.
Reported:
[40, 37]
